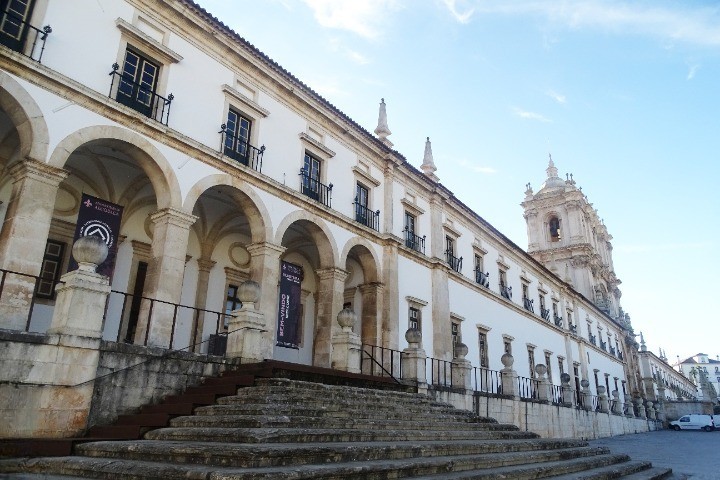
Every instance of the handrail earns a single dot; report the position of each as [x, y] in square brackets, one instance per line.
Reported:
[366, 216]
[311, 187]
[371, 357]
[240, 149]
[415, 242]
[139, 97]
[18, 42]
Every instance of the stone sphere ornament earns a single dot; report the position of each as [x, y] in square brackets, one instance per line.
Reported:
[413, 336]
[89, 251]
[461, 350]
[248, 292]
[600, 390]
[507, 360]
[565, 378]
[346, 319]
[584, 383]
[540, 369]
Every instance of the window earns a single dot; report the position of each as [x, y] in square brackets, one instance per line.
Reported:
[505, 290]
[527, 302]
[481, 276]
[507, 346]
[455, 332]
[561, 365]
[237, 137]
[454, 262]
[311, 177]
[232, 303]
[51, 268]
[482, 344]
[544, 312]
[138, 82]
[554, 227]
[549, 367]
[531, 360]
[13, 22]
[363, 214]
[412, 240]
[414, 318]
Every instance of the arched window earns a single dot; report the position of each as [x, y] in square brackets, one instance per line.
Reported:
[554, 225]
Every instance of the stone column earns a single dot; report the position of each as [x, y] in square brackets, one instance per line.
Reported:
[442, 340]
[568, 392]
[628, 406]
[603, 399]
[388, 198]
[586, 395]
[198, 325]
[371, 321]
[461, 373]
[640, 408]
[617, 405]
[650, 410]
[246, 327]
[413, 358]
[265, 269]
[390, 331]
[543, 385]
[24, 235]
[329, 304]
[165, 276]
[508, 376]
[346, 345]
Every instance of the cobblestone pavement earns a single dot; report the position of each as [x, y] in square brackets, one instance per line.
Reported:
[692, 454]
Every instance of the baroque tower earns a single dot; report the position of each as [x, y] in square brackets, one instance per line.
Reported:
[566, 236]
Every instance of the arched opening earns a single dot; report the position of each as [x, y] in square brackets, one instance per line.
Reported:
[554, 229]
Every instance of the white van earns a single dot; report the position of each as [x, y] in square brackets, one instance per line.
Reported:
[694, 422]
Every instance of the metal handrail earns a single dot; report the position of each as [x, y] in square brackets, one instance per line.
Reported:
[490, 380]
[366, 216]
[141, 99]
[240, 149]
[454, 262]
[440, 372]
[18, 43]
[311, 187]
[483, 278]
[371, 355]
[415, 242]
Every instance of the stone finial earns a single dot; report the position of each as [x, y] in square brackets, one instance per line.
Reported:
[643, 347]
[541, 370]
[601, 390]
[413, 337]
[507, 360]
[552, 172]
[528, 191]
[428, 166]
[382, 130]
[346, 319]
[249, 292]
[89, 251]
[461, 351]
[584, 383]
[565, 379]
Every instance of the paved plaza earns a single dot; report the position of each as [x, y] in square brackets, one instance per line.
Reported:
[691, 454]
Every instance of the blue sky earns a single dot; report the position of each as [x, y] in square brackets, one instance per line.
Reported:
[623, 94]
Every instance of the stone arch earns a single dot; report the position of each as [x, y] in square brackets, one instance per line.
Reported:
[27, 117]
[321, 235]
[152, 162]
[252, 205]
[368, 260]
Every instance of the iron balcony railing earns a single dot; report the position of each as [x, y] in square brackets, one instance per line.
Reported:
[381, 361]
[612, 350]
[15, 34]
[311, 187]
[139, 97]
[528, 304]
[558, 321]
[482, 278]
[620, 355]
[603, 345]
[440, 372]
[454, 262]
[545, 313]
[486, 380]
[527, 388]
[366, 216]
[415, 242]
[505, 291]
[592, 338]
[573, 328]
[241, 150]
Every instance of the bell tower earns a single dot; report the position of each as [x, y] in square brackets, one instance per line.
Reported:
[566, 236]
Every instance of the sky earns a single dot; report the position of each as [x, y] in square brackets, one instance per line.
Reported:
[624, 95]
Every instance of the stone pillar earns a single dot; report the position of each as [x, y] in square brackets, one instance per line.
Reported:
[508, 376]
[198, 325]
[413, 358]
[617, 405]
[461, 373]
[650, 410]
[329, 304]
[628, 406]
[346, 345]
[442, 340]
[660, 407]
[24, 235]
[246, 327]
[586, 395]
[568, 392]
[640, 408]
[265, 269]
[371, 325]
[603, 399]
[543, 385]
[165, 276]
[390, 332]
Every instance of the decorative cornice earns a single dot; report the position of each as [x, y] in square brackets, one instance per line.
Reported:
[245, 101]
[366, 176]
[149, 45]
[308, 140]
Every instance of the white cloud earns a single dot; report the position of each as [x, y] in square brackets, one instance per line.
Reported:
[476, 168]
[558, 97]
[700, 26]
[363, 17]
[454, 8]
[693, 70]
[530, 115]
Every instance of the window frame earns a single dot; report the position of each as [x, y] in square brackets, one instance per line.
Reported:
[54, 278]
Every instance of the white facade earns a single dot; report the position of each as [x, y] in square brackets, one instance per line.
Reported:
[695, 368]
[198, 222]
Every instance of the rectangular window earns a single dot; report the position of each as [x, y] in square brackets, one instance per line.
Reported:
[138, 83]
[482, 344]
[237, 137]
[51, 268]
[232, 303]
[14, 17]
[561, 365]
[311, 177]
[454, 262]
[505, 289]
[414, 318]
[531, 361]
[481, 276]
[410, 223]
[507, 346]
[363, 214]
[549, 367]
[455, 332]
[449, 245]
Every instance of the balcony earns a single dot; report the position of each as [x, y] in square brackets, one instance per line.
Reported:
[311, 187]
[139, 97]
[612, 350]
[415, 242]
[528, 304]
[482, 278]
[545, 313]
[558, 321]
[573, 328]
[241, 150]
[505, 291]
[603, 345]
[20, 36]
[620, 355]
[592, 338]
[366, 216]
[454, 262]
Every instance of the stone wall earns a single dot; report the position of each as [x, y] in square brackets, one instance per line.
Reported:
[545, 419]
[675, 410]
[130, 376]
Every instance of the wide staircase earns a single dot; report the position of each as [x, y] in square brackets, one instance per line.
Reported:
[282, 428]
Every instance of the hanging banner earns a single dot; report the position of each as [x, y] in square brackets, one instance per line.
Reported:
[100, 218]
[288, 328]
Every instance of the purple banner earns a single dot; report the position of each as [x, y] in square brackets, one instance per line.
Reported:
[100, 218]
[288, 328]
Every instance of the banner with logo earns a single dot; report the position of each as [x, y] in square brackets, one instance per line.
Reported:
[289, 310]
[100, 218]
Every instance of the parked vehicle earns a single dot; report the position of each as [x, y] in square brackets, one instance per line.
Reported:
[694, 422]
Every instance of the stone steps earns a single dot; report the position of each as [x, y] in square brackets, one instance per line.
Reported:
[285, 429]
